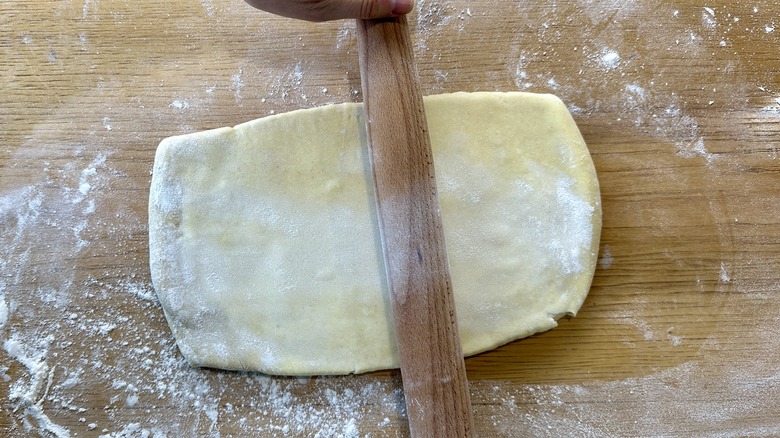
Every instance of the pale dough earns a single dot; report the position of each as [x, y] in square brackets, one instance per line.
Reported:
[265, 252]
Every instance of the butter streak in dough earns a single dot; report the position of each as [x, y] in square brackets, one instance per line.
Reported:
[265, 253]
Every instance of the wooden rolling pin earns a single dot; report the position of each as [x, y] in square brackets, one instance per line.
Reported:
[432, 367]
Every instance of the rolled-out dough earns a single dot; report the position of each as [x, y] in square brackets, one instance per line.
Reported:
[265, 252]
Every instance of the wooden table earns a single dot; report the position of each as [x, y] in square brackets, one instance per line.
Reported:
[678, 101]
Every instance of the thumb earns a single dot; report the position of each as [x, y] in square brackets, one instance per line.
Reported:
[324, 10]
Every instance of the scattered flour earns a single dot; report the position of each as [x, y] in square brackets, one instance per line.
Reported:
[208, 7]
[695, 149]
[610, 59]
[180, 104]
[605, 258]
[89, 6]
[346, 37]
[725, 277]
[27, 396]
[237, 84]
[132, 362]
[708, 18]
[432, 17]
[656, 405]
[3, 308]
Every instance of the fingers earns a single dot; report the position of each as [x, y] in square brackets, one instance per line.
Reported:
[324, 10]
[402, 7]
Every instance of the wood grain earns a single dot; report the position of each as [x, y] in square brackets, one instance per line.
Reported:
[415, 256]
[678, 336]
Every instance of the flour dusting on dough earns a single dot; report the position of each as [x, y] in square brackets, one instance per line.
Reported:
[576, 225]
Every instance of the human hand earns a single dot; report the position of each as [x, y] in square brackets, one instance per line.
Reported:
[324, 10]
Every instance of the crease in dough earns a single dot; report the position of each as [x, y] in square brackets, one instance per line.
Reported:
[265, 254]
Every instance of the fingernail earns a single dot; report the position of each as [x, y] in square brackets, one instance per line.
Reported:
[403, 7]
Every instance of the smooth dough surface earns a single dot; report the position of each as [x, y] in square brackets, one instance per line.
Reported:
[265, 252]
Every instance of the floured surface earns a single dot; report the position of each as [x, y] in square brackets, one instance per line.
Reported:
[677, 337]
[265, 255]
